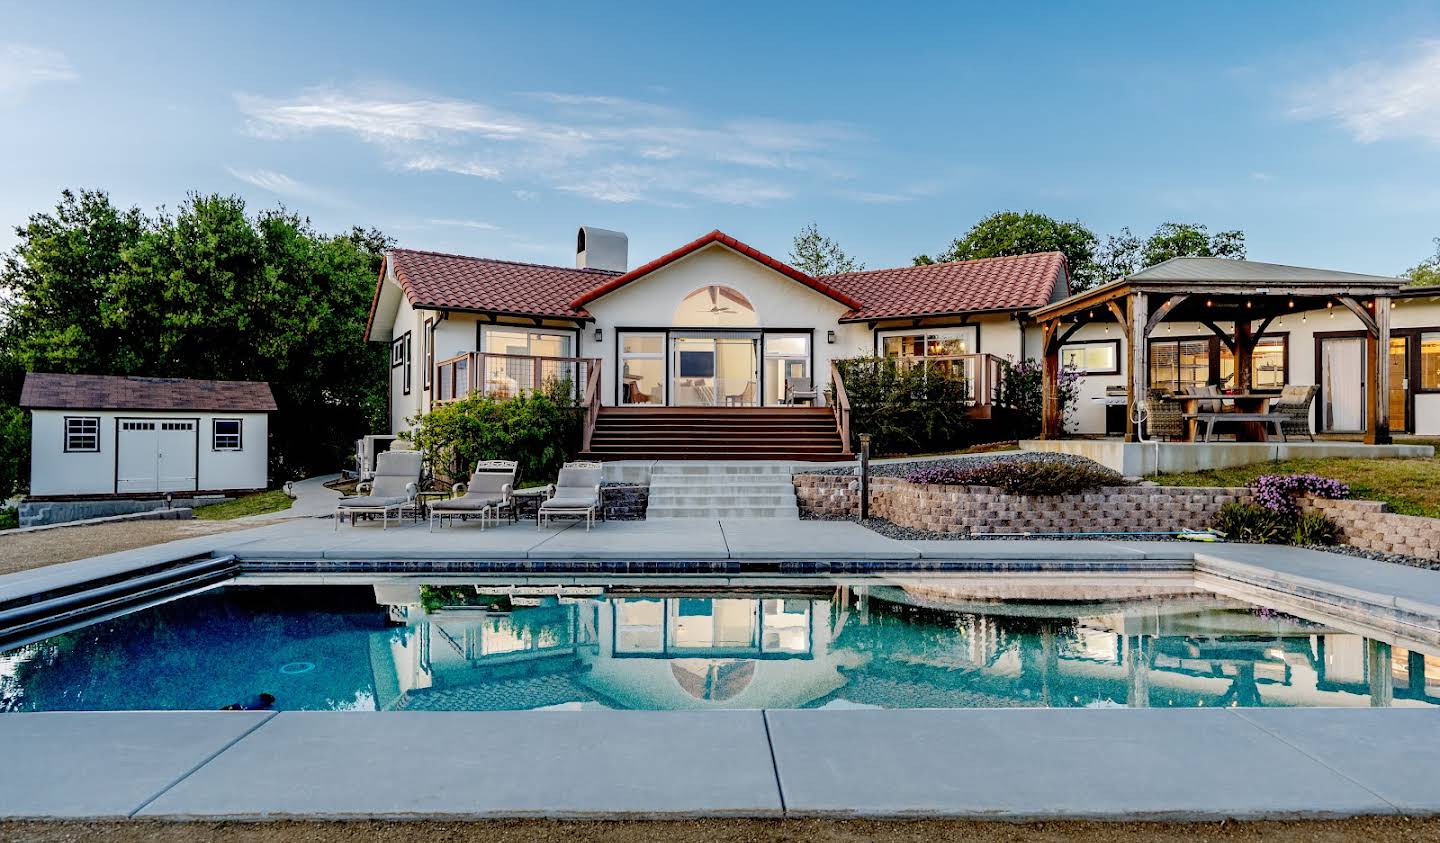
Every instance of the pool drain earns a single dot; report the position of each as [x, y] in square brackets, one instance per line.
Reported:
[296, 668]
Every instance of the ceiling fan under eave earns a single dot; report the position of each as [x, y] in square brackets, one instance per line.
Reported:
[715, 306]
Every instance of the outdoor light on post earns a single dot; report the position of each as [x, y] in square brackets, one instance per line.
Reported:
[864, 476]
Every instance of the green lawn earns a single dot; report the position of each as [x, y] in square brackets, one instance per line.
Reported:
[1410, 486]
[272, 501]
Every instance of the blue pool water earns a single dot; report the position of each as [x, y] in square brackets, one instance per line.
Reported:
[489, 646]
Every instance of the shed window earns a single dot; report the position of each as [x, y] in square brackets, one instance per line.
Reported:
[1097, 357]
[226, 435]
[82, 433]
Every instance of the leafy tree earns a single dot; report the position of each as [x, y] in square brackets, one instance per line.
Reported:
[1024, 232]
[206, 292]
[1427, 272]
[1119, 257]
[1182, 239]
[817, 255]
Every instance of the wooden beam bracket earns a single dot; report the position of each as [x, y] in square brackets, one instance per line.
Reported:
[1162, 311]
[1360, 312]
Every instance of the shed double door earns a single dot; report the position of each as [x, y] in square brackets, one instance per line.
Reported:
[156, 455]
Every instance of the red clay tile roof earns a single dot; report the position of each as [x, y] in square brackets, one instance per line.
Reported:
[453, 282]
[44, 391]
[1020, 282]
[724, 239]
[439, 281]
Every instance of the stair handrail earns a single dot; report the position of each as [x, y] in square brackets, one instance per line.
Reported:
[841, 407]
[592, 402]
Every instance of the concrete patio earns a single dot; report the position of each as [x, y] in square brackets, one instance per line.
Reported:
[999, 764]
[990, 763]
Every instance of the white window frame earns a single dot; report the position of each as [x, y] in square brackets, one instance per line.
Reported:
[239, 435]
[531, 333]
[93, 433]
[969, 333]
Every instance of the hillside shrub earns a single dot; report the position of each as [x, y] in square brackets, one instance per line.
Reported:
[541, 430]
[906, 409]
[1023, 477]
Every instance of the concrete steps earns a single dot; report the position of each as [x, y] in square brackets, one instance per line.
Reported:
[722, 490]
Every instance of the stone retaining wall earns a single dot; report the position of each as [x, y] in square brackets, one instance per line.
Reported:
[1370, 525]
[624, 502]
[982, 509]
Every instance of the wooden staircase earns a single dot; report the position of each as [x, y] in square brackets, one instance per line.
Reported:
[715, 433]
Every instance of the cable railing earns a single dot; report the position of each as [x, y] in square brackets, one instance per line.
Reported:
[511, 375]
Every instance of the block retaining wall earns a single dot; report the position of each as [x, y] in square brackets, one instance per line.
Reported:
[981, 509]
[1370, 525]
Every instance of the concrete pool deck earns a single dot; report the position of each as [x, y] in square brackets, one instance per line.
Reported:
[983, 763]
[995, 764]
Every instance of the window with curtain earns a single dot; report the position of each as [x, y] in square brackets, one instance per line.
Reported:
[1179, 364]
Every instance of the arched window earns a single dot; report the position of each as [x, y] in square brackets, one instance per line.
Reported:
[715, 305]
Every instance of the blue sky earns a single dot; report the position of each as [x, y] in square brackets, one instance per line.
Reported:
[496, 129]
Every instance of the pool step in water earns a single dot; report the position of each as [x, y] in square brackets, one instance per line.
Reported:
[721, 490]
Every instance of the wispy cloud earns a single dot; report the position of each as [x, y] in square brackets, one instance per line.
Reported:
[1381, 100]
[475, 224]
[281, 184]
[607, 148]
[23, 67]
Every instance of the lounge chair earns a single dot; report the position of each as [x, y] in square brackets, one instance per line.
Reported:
[576, 491]
[1293, 406]
[801, 389]
[391, 489]
[485, 496]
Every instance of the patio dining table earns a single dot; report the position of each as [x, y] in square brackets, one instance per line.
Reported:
[1241, 402]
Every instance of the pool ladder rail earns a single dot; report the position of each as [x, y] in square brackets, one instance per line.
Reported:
[37, 616]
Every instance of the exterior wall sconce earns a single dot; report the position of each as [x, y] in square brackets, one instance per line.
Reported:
[599, 334]
[830, 337]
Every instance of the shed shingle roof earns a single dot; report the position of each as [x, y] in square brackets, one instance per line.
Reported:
[45, 391]
[1018, 282]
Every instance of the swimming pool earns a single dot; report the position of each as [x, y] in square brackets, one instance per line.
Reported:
[659, 645]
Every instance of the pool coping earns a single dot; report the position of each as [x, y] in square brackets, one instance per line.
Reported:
[234, 777]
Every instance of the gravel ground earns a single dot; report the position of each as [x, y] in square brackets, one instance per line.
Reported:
[1370, 829]
[21, 551]
[900, 469]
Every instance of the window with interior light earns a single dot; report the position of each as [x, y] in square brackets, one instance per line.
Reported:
[1092, 357]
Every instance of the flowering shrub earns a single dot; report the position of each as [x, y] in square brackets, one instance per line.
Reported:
[1022, 391]
[1277, 492]
[1022, 477]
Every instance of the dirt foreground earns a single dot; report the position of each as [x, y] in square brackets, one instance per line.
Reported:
[1369, 829]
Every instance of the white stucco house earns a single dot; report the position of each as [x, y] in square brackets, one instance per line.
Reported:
[707, 342]
[96, 437]
[714, 328]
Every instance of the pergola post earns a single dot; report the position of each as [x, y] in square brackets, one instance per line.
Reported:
[1137, 322]
[1244, 355]
[1377, 346]
[1050, 420]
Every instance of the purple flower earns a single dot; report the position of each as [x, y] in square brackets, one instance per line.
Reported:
[1278, 492]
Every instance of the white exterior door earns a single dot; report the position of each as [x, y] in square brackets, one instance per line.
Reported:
[155, 455]
[1342, 384]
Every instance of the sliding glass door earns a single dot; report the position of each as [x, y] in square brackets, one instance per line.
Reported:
[717, 370]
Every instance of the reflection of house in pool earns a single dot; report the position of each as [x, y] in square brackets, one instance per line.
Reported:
[871, 646]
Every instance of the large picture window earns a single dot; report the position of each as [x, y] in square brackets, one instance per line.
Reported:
[1267, 364]
[1180, 364]
[82, 434]
[933, 346]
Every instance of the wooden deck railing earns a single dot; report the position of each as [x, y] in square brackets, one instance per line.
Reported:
[840, 405]
[509, 375]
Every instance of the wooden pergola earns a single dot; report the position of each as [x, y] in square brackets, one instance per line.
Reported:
[1211, 291]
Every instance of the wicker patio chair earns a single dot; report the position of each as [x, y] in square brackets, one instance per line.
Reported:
[1293, 405]
[1163, 417]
